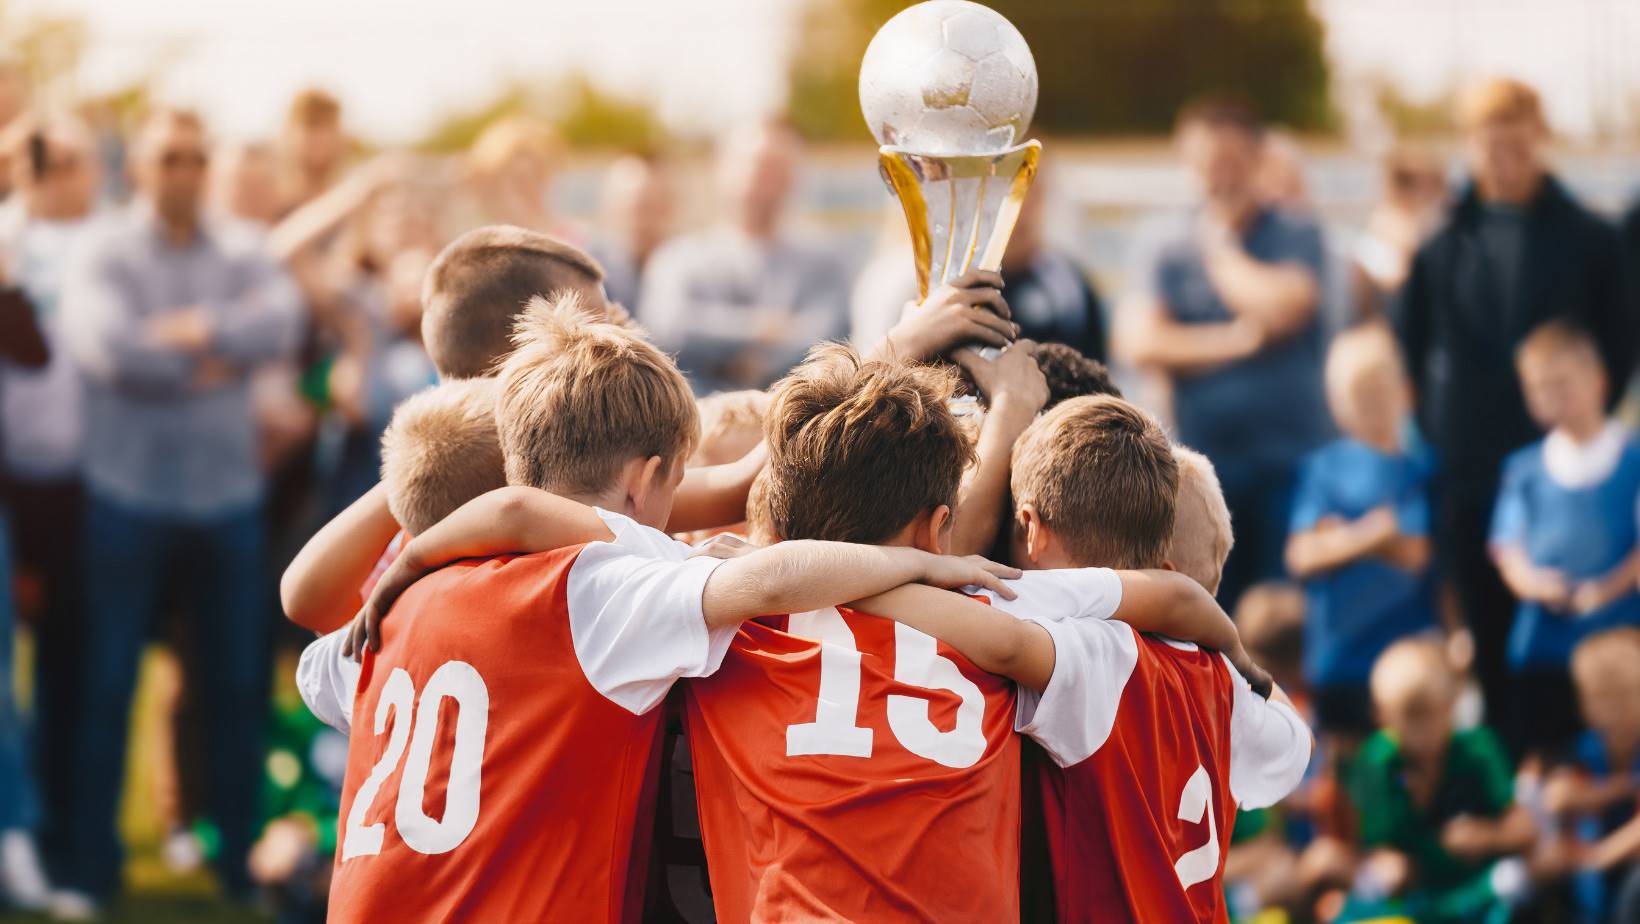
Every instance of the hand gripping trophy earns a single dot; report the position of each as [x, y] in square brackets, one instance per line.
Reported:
[948, 88]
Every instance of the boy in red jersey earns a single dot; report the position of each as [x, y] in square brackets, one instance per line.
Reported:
[850, 768]
[506, 727]
[1154, 743]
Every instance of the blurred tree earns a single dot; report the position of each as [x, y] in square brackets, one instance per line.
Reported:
[1413, 118]
[1105, 66]
[586, 114]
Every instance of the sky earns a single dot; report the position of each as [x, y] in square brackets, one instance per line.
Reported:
[401, 65]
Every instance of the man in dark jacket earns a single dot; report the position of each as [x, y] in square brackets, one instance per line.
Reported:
[1515, 251]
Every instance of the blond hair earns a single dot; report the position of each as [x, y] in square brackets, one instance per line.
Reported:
[1499, 99]
[313, 108]
[727, 420]
[1363, 349]
[858, 448]
[1201, 524]
[1612, 650]
[1410, 666]
[1101, 474]
[511, 137]
[581, 397]
[478, 285]
[440, 451]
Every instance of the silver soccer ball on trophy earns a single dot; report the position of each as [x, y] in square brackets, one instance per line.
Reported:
[948, 77]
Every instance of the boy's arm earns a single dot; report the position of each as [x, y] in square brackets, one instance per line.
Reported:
[1527, 581]
[1620, 846]
[1472, 838]
[1168, 603]
[1330, 544]
[1609, 587]
[802, 575]
[510, 519]
[996, 641]
[320, 587]
[1014, 386]
[715, 495]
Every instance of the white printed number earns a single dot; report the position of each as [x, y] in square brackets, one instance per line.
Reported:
[1200, 864]
[917, 662]
[458, 681]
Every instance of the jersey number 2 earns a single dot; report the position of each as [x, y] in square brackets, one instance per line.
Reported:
[1196, 801]
[917, 662]
[457, 681]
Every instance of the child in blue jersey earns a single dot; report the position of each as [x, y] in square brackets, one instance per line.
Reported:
[1596, 797]
[1359, 535]
[1564, 532]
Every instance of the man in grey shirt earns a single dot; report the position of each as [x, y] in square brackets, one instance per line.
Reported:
[740, 304]
[167, 316]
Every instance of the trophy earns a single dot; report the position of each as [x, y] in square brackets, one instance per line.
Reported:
[948, 88]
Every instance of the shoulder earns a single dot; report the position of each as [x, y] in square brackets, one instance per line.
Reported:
[1524, 461]
[1379, 750]
[1478, 745]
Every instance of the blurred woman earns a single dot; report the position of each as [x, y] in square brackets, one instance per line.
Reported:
[509, 172]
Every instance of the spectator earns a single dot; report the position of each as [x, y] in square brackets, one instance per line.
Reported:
[1514, 251]
[639, 205]
[245, 183]
[167, 314]
[1224, 306]
[1439, 822]
[14, 97]
[1595, 795]
[1360, 533]
[510, 169]
[740, 304]
[1408, 209]
[1563, 533]
[312, 149]
[1050, 296]
[56, 180]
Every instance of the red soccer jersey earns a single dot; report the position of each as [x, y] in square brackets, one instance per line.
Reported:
[1153, 744]
[502, 756]
[853, 769]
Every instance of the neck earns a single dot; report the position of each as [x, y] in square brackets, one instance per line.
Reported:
[179, 232]
[1585, 430]
[1491, 192]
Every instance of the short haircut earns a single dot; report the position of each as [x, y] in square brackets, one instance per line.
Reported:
[440, 451]
[1365, 347]
[1558, 336]
[1070, 374]
[1101, 474]
[1602, 652]
[858, 449]
[1411, 665]
[509, 137]
[1218, 111]
[581, 397]
[1201, 524]
[478, 284]
[728, 413]
[1495, 99]
[313, 108]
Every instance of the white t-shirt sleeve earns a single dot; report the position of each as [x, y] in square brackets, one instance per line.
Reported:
[1064, 593]
[328, 681]
[1269, 747]
[635, 615]
[1074, 715]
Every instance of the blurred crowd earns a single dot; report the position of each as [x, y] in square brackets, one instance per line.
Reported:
[1436, 512]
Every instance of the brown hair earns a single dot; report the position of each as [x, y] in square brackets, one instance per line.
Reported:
[1070, 374]
[441, 450]
[312, 107]
[478, 284]
[580, 397]
[1499, 99]
[860, 448]
[1558, 335]
[1270, 618]
[1101, 474]
[1221, 111]
[729, 418]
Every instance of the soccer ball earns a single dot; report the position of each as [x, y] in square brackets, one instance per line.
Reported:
[948, 77]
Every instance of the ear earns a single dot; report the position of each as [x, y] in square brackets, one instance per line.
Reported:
[651, 473]
[1168, 565]
[1036, 537]
[938, 531]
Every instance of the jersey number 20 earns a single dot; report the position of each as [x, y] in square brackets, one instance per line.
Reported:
[458, 681]
[917, 662]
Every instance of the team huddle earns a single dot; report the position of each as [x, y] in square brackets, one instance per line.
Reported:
[880, 724]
